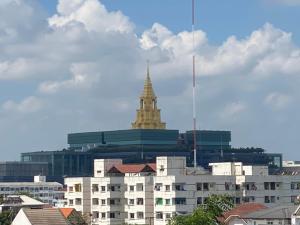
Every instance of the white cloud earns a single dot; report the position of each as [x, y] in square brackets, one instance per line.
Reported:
[232, 110]
[83, 77]
[28, 105]
[85, 69]
[278, 101]
[92, 14]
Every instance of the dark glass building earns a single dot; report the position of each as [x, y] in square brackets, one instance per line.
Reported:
[144, 145]
[22, 171]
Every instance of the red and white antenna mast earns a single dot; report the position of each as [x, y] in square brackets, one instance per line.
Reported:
[194, 87]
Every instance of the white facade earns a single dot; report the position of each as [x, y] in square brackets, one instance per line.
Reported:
[48, 192]
[153, 198]
[21, 218]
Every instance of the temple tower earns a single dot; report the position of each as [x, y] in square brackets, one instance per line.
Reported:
[148, 115]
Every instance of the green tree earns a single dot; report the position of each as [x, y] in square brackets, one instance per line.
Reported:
[207, 213]
[6, 218]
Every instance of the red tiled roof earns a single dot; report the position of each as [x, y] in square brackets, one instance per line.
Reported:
[66, 211]
[242, 210]
[133, 168]
[152, 165]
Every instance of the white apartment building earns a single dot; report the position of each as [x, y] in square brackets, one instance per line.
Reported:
[153, 193]
[48, 192]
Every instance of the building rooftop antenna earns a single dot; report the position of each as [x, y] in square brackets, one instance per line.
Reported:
[194, 87]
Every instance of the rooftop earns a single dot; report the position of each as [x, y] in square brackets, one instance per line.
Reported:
[48, 216]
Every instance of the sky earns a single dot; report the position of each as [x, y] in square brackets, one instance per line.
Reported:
[73, 66]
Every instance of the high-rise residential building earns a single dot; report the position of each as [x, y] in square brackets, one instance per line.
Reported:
[152, 193]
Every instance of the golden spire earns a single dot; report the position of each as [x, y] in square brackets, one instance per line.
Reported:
[148, 115]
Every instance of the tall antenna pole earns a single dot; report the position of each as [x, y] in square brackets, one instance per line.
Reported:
[194, 86]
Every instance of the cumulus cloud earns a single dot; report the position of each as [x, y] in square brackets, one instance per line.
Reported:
[278, 100]
[28, 105]
[84, 70]
[232, 110]
[92, 14]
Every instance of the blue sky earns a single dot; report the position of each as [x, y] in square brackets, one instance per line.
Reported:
[219, 19]
[73, 66]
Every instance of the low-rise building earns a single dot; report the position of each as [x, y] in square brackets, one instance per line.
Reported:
[13, 203]
[258, 214]
[48, 192]
[153, 193]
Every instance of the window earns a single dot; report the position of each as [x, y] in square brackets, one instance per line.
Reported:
[227, 186]
[168, 215]
[139, 187]
[199, 186]
[237, 200]
[168, 187]
[77, 187]
[295, 186]
[272, 184]
[199, 200]
[77, 201]
[157, 187]
[205, 187]
[293, 199]
[159, 201]
[266, 185]
[180, 201]
[71, 189]
[95, 215]
[95, 201]
[95, 188]
[159, 215]
[131, 202]
[179, 187]
[131, 188]
[168, 201]
[237, 187]
[267, 199]
[140, 201]
[273, 199]
[270, 199]
[112, 215]
[131, 215]
[102, 201]
[140, 215]
[103, 188]
[103, 215]
[71, 201]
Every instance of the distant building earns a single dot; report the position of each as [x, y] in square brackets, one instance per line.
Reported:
[145, 193]
[286, 163]
[257, 214]
[47, 192]
[147, 140]
[296, 217]
[22, 171]
[47, 216]
[15, 202]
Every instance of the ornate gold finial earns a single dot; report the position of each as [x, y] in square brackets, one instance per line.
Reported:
[148, 115]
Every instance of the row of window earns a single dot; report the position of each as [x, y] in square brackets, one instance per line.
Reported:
[111, 215]
[181, 187]
[32, 189]
[173, 201]
[137, 187]
[176, 187]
